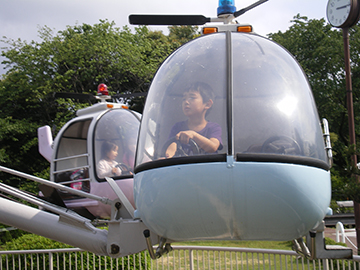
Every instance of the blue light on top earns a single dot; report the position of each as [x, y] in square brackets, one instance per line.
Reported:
[226, 7]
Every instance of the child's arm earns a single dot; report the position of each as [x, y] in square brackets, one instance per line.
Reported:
[116, 171]
[170, 151]
[208, 145]
[105, 169]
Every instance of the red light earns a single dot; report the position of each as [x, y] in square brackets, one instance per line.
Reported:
[102, 89]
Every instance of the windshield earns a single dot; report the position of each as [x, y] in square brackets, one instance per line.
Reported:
[176, 80]
[261, 102]
[115, 143]
[274, 109]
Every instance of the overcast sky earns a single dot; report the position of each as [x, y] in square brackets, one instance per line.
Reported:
[22, 18]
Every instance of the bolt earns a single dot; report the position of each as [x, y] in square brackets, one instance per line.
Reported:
[114, 249]
[117, 205]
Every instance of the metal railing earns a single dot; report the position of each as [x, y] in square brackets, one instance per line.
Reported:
[340, 231]
[182, 257]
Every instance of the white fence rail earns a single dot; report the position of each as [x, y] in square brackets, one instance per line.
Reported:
[182, 257]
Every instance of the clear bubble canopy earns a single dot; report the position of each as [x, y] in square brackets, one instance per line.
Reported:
[262, 101]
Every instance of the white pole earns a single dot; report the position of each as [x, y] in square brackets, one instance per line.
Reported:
[340, 227]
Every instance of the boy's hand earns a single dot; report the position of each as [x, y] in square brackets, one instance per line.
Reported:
[185, 136]
[208, 145]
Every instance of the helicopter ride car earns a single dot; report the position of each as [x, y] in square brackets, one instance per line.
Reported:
[267, 178]
[76, 155]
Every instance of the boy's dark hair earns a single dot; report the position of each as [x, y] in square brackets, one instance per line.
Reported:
[205, 91]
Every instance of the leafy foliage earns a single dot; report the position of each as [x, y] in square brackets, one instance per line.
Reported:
[74, 60]
[32, 241]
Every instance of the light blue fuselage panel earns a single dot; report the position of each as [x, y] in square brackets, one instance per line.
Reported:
[249, 201]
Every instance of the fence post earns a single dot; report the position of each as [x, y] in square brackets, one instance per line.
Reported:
[325, 264]
[51, 263]
[191, 259]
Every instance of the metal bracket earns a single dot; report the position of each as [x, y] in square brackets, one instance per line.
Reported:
[318, 250]
[121, 196]
[161, 249]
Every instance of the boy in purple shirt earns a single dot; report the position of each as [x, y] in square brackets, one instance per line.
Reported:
[197, 102]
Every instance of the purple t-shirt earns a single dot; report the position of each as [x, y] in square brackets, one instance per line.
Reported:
[211, 130]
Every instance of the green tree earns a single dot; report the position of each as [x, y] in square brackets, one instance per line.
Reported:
[74, 60]
[183, 34]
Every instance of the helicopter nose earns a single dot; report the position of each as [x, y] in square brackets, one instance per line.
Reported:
[253, 201]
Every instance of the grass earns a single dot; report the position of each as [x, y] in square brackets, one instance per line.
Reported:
[247, 244]
[180, 259]
[281, 245]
